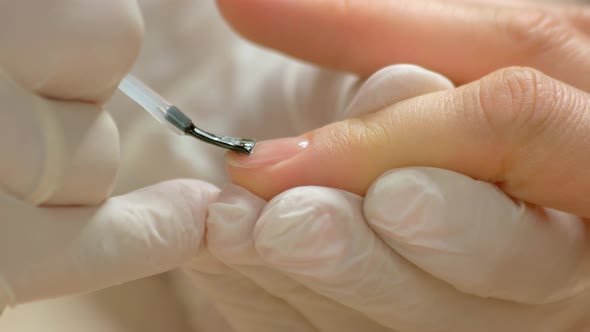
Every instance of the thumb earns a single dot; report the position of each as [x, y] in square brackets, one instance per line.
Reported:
[516, 127]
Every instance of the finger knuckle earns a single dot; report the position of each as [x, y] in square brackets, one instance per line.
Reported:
[516, 98]
[507, 96]
[525, 110]
[535, 32]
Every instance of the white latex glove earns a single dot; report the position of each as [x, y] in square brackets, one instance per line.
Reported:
[61, 61]
[427, 250]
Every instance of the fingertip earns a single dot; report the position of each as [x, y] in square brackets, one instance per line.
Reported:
[198, 195]
[393, 84]
[265, 182]
[416, 79]
[275, 166]
[321, 163]
[93, 44]
[230, 224]
[400, 206]
[175, 211]
[68, 153]
[306, 230]
[280, 226]
[301, 28]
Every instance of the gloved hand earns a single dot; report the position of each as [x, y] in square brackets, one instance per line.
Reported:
[59, 150]
[426, 250]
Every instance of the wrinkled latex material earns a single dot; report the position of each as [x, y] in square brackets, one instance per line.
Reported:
[63, 251]
[399, 260]
[367, 265]
[60, 155]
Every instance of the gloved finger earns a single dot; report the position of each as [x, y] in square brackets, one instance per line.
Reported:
[388, 86]
[47, 252]
[463, 42]
[230, 227]
[393, 84]
[516, 127]
[245, 306]
[69, 50]
[55, 152]
[318, 236]
[476, 238]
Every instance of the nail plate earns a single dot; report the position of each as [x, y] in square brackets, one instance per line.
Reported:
[268, 153]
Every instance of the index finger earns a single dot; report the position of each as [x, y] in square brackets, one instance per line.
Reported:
[461, 41]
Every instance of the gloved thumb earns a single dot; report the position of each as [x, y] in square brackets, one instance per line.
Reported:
[516, 127]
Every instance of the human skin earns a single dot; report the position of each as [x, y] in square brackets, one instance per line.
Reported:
[521, 126]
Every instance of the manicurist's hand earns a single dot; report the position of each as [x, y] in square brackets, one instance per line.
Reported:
[60, 232]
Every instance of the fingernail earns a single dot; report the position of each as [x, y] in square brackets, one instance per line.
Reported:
[269, 153]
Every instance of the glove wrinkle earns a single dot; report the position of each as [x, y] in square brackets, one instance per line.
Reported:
[476, 238]
[233, 243]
